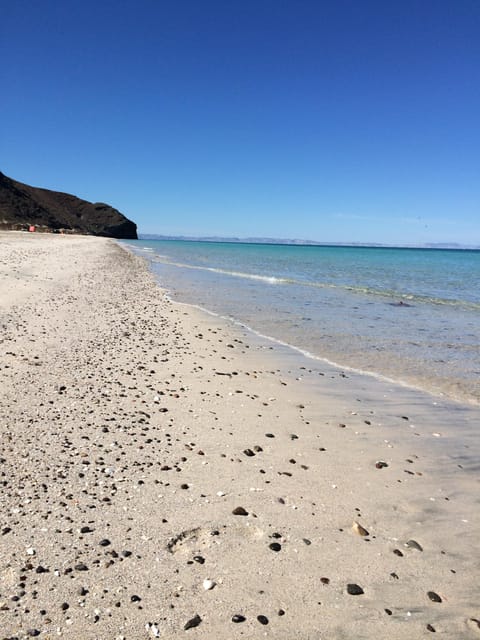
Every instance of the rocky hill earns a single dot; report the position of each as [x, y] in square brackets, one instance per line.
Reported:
[22, 206]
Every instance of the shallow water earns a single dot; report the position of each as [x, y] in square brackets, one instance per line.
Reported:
[412, 315]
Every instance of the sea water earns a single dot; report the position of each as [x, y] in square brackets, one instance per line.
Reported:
[410, 315]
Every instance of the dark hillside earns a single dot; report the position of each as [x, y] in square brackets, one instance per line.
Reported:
[22, 206]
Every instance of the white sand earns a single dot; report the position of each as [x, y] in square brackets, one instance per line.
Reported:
[113, 398]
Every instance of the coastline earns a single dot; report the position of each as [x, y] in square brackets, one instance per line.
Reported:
[321, 302]
[129, 424]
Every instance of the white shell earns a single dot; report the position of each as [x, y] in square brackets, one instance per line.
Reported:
[208, 584]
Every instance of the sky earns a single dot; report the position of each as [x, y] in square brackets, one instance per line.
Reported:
[338, 121]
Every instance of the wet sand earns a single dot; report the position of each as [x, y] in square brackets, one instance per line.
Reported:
[167, 474]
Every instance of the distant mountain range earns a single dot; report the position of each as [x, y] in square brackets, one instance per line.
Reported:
[23, 207]
[432, 245]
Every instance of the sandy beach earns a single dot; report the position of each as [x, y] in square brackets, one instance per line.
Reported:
[166, 473]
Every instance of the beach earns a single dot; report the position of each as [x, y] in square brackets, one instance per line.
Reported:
[167, 473]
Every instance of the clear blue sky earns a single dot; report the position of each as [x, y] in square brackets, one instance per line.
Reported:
[334, 121]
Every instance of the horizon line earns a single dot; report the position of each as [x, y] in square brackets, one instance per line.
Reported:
[302, 242]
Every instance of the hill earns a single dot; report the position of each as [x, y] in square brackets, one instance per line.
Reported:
[22, 206]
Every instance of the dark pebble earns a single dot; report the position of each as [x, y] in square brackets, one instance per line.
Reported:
[413, 544]
[388, 612]
[281, 612]
[33, 633]
[434, 597]
[86, 530]
[262, 619]
[184, 486]
[397, 552]
[269, 435]
[194, 622]
[199, 559]
[6, 530]
[104, 543]
[354, 590]
[430, 628]
[248, 452]
[238, 618]
[325, 580]
[41, 569]
[126, 553]
[381, 464]
[65, 606]
[135, 598]
[240, 511]
[275, 546]
[307, 541]
[83, 591]
[81, 567]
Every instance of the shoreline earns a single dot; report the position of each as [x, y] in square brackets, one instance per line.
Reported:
[358, 341]
[134, 427]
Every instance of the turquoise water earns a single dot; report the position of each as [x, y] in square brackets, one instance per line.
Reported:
[412, 315]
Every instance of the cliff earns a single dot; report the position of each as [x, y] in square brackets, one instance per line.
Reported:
[22, 206]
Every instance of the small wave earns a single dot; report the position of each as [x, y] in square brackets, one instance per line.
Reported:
[389, 294]
[236, 274]
[248, 276]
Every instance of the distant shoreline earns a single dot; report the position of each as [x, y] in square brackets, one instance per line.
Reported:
[309, 243]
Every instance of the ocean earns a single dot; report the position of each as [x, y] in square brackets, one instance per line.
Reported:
[408, 315]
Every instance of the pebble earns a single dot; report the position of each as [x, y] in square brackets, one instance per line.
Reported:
[248, 452]
[380, 464]
[240, 511]
[41, 569]
[354, 590]
[199, 559]
[413, 544]
[153, 629]
[194, 622]
[238, 618]
[359, 530]
[262, 619]
[208, 584]
[434, 597]
[104, 543]
[430, 628]
[275, 546]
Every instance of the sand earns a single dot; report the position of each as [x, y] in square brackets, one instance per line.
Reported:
[134, 429]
